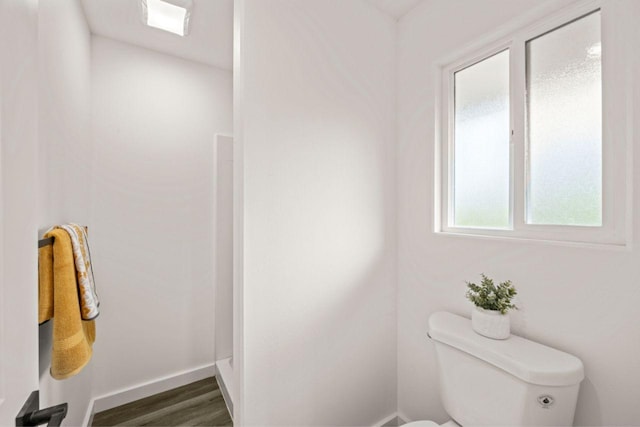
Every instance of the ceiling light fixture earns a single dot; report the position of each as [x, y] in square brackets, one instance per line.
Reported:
[168, 15]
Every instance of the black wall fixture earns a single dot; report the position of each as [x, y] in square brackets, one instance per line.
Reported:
[31, 415]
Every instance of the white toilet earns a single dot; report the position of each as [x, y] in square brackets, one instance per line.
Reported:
[512, 382]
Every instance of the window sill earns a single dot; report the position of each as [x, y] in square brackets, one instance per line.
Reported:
[485, 235]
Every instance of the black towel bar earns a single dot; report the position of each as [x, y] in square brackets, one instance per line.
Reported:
[45, 242]
[49, 241]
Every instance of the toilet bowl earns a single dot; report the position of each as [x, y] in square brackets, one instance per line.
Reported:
[513, 382]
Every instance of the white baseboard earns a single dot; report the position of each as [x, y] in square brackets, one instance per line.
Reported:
[403, 417]
[146, 389]
[395, 419]
[88, 416]
[224, 375]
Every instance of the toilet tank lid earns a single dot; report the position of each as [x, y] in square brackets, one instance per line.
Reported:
[532, 362]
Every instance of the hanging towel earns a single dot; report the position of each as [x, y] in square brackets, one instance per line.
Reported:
[89, 302]
[45, 283]
[72, 337]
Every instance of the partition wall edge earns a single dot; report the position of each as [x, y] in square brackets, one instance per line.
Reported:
[238, 211]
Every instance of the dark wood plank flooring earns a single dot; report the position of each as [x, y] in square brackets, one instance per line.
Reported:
[197, 404]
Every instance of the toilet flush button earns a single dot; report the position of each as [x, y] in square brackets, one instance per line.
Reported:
[545, 401]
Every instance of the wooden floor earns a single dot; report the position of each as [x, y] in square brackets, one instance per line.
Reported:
[197, 404]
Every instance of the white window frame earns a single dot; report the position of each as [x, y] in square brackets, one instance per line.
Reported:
[616, 121]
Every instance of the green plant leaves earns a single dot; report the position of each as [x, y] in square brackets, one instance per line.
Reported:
[489, 296]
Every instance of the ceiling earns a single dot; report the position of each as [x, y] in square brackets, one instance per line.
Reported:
[395, 8]
[210, 38]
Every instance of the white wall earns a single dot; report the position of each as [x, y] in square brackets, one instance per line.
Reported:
[316, 125]
[224, 246]
[583, 301]
[64, 85]
[153, 126]
[64, 89]
[18, 205]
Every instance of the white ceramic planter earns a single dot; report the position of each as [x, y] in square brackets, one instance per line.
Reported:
[490, 323]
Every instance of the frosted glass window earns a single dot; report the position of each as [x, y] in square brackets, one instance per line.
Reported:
[564, 104]
[481, 166]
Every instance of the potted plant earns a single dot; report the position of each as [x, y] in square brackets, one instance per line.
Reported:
[490, 316]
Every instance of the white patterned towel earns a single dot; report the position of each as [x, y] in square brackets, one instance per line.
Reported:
[89, 302]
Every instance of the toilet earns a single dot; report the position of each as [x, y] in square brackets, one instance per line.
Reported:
[512, 382]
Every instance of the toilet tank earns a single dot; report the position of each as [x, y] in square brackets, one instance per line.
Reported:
[512, 382]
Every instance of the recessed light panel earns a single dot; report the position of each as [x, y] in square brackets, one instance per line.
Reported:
[172, 16]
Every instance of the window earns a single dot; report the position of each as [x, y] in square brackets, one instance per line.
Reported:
[523, 153]
[564, 123]
[481, 149]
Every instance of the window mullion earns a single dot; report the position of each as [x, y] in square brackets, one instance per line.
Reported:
[518, 137]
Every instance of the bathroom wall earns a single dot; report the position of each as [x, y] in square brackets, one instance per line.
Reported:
[18, 205]
[224, 246]
[580, 300]
[64, 158]
[154, 121]
[64, 87]
[315, 115]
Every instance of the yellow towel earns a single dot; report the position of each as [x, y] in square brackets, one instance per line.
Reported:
[45, 283]
[58, 291]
